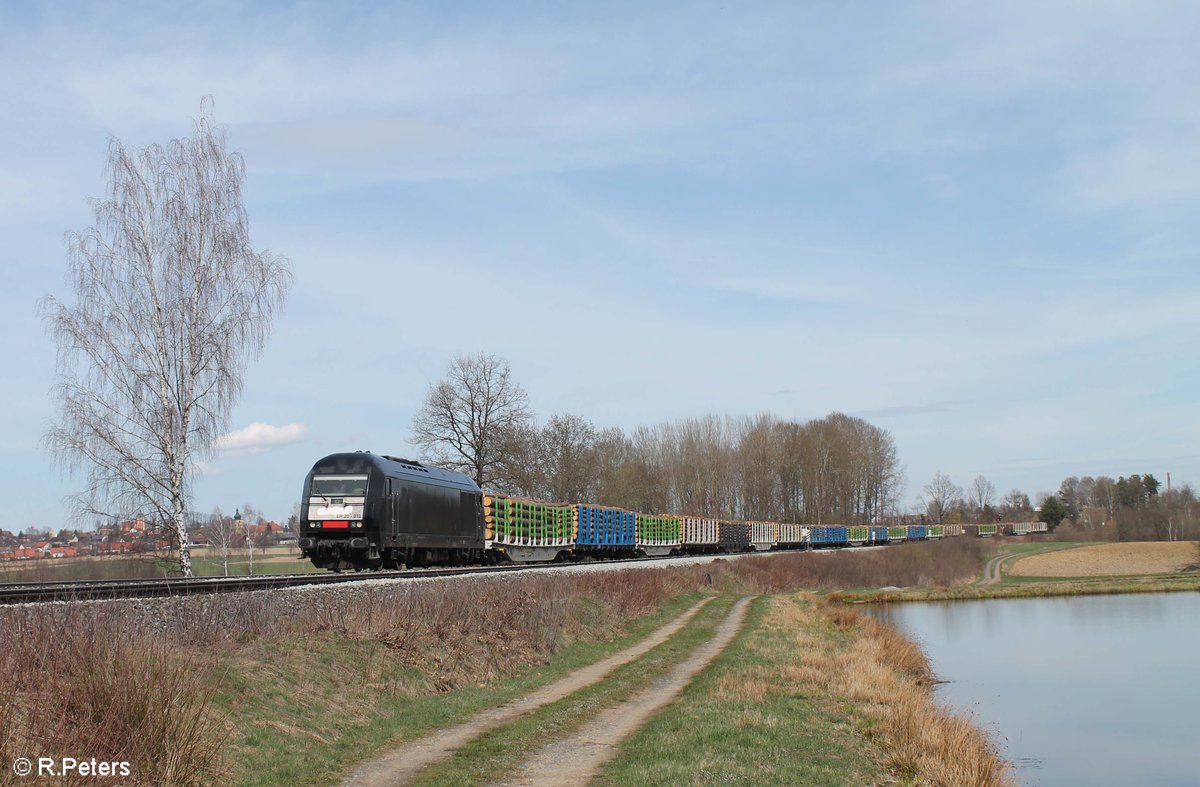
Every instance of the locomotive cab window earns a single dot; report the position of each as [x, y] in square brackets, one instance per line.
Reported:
[339, 485]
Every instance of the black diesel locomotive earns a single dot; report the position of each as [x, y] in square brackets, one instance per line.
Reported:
[363, 511]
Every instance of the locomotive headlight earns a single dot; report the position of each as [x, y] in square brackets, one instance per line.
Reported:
[358, 524]
[314, 524]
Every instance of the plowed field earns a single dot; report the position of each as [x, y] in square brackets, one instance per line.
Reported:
[1108, 560]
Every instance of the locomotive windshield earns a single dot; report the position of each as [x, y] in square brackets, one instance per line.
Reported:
[339, 485]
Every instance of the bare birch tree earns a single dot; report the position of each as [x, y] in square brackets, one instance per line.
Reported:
[170, 304]
[468, 416]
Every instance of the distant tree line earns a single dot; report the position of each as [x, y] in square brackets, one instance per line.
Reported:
[1133, 508]
[834, 469]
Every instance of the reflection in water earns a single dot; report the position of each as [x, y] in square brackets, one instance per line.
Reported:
[1086, 690]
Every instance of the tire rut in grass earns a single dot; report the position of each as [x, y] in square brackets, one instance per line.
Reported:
[577, 759]
[402, 764]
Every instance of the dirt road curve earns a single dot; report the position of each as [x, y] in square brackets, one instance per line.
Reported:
[991, 570]
[576, 759]
[402, 764]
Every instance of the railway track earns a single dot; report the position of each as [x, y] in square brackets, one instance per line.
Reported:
[94, 590]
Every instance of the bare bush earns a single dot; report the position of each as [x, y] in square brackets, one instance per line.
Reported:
[83, 689]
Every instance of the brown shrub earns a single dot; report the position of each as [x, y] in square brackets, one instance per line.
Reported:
[942, 563]
[81, 692]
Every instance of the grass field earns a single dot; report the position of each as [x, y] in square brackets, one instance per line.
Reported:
[1109, 560]
[205, 563]
[214, 567]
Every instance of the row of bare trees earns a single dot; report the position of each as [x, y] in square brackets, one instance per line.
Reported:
[835, 469]
[946, 501]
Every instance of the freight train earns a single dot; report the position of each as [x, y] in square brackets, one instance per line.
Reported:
[364, 511]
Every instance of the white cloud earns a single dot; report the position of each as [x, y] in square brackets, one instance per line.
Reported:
[258, 438]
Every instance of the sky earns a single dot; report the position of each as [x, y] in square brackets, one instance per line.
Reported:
[972, 225]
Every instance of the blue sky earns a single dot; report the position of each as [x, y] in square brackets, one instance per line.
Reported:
[973, 226]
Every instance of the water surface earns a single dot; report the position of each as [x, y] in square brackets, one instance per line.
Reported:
[1091, 690]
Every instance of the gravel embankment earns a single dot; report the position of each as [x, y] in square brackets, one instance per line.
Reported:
[201, 618]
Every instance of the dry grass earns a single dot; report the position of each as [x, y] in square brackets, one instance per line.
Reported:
[135, 681]
[847, 666]
[1108, 560]
[947, 563]
[886, 677]
[80, 692]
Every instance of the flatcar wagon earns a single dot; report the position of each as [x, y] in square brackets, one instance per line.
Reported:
[658, 535]
[792, 536]
[733, 536]
[829, 536]
[527, 530]
[764, 536]
[605, 531]
[699, 535]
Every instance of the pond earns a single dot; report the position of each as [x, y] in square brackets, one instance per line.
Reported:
[1087, 690]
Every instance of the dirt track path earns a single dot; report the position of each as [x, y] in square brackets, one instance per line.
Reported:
[575, 760]
[402, 764]
[991, 570]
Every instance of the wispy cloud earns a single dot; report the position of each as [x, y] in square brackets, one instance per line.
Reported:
[258, 438]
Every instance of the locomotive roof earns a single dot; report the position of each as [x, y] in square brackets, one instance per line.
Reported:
[393, 467]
